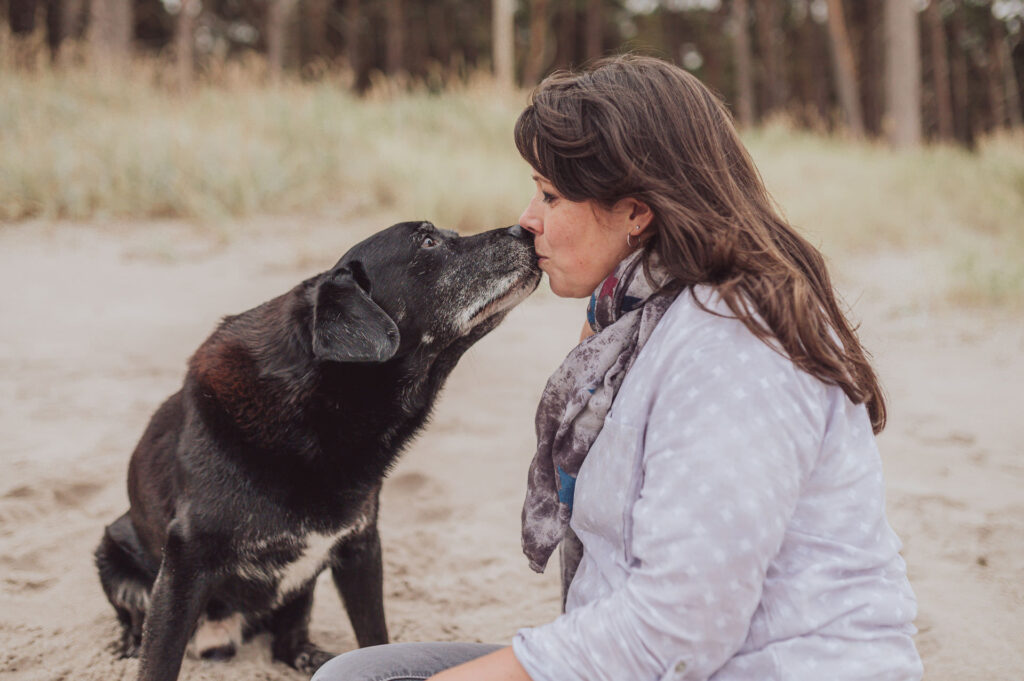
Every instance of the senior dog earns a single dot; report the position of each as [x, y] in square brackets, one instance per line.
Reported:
[266, 467]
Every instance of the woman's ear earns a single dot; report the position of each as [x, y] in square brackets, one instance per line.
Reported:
[634, 212]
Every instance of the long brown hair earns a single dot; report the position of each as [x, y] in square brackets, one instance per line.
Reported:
[638, 127]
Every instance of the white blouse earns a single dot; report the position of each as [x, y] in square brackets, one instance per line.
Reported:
[732, 515]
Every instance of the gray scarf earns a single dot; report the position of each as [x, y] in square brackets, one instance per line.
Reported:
[623, 312]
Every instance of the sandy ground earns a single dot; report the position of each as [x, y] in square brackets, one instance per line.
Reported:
[96, 323]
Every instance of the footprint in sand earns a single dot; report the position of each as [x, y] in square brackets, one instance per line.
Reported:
[410, 483]
[429, 494]
[33, 501]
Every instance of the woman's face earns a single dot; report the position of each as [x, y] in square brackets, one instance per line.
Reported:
[578, 244]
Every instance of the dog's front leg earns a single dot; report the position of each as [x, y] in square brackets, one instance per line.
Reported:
[290, 629]
[179, 594]
[359, 576]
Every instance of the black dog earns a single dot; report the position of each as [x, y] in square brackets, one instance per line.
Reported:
[265, 468]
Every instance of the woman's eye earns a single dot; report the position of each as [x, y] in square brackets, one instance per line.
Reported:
[548, 198]
[428, 242]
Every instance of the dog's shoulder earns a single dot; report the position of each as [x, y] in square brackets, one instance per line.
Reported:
[256, 366]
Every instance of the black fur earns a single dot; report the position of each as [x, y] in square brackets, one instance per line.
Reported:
[289, 418]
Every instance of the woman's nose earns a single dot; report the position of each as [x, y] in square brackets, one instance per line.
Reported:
[531, 222]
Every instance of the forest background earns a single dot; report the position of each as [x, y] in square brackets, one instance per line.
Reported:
[219, 109]
[167, 162]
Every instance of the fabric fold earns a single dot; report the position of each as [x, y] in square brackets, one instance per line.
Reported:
[623, 311]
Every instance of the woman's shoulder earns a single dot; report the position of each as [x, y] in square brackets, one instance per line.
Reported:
[699, 321]
[700, 342]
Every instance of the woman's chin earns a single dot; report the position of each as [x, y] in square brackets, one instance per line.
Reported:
[564, 289]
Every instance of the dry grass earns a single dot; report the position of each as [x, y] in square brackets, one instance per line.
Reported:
[79, 144]
[864, 197]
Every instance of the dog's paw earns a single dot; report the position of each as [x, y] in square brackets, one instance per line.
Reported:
[311, 658]
[126, 647]
[217, 639]
[218, 653]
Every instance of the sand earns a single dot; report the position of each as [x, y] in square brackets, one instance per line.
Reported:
[97, 321]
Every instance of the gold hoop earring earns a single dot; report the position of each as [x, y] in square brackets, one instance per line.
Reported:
[629, 234]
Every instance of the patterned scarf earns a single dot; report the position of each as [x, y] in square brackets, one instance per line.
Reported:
[623, 312]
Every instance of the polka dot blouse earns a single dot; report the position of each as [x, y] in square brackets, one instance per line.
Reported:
[733, 521]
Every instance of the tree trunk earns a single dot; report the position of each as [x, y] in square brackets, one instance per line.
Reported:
[502, 27]
[536, 57]
[279, 19]
[440, 37]
[565, 51]
[396, 37]
[315, 19]
[940, 71]
[468, 18]
[54, 26]
[715, 51]
[110, 31]
[184, 37]
[902, 74]
[963, 122]
[771, 49]
[812, 81]
[21, 15]
[72, 18]
[595, 29]
[1015, 107]
[353, 17]
[845, 69]
[866, 24]
[987, 62]
[1003, 75]
[743, 63]
[354, 46]
[672, 35]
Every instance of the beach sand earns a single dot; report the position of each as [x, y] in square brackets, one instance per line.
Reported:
[97, 322]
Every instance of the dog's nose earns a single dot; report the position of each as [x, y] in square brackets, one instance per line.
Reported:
[519, 233]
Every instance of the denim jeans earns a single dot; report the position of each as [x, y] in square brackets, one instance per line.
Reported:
[400, 661]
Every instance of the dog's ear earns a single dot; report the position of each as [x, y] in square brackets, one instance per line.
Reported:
[348, 326]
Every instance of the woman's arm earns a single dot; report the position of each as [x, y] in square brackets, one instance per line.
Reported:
[501, 665]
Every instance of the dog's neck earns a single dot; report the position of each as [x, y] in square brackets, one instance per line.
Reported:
[259, 379]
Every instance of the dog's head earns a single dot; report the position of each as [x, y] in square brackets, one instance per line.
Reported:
[414, 286]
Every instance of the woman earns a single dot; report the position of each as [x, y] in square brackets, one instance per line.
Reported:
[707, 457]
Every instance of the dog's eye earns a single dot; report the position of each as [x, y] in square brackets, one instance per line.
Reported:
[428, 242]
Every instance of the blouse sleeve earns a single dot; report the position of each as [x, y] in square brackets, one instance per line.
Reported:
[732, 434]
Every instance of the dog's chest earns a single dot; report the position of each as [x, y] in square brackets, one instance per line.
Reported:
[290, 562]
[311, 560]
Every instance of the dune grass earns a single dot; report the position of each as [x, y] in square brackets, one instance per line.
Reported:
[75, 144]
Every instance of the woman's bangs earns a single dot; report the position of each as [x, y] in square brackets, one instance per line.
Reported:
[527, 138]
[536, 146]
